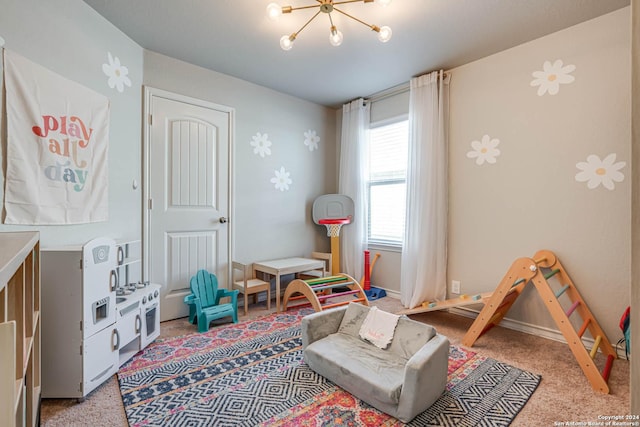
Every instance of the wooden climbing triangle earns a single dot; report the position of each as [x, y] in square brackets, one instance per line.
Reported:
[538, 270]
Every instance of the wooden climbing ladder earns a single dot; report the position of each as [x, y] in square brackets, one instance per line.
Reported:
[538, 269]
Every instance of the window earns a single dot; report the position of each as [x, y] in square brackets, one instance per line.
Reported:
[388, 145]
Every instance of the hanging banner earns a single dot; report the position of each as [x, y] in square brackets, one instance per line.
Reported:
[57, 146]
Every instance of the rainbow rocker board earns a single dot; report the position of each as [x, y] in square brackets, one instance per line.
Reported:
[318, 293]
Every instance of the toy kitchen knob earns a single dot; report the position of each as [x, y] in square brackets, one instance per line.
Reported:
[144, 300]
[150, 296]
[155, 294]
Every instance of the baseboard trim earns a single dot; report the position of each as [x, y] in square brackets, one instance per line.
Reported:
[527, 328]
[390, 293]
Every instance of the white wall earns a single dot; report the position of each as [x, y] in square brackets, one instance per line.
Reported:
[69, 38]
[267, 223]
[529, 199]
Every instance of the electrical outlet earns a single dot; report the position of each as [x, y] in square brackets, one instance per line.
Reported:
[455, 286]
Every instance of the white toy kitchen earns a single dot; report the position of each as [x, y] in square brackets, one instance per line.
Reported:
[96, 314]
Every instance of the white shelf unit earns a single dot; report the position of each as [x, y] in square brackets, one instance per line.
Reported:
[20, 381]
[129, 258]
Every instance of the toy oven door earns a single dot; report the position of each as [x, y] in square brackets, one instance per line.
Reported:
[150, 324]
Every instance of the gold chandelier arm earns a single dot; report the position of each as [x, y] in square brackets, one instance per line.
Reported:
[373, 27]
[351, 1]
[307, 23]
[289, 9]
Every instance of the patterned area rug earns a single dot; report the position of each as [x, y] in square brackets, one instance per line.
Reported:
[253, 374]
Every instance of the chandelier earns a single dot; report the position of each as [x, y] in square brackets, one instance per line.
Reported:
[326, 6]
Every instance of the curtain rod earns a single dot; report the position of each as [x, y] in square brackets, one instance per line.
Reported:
[395, 90]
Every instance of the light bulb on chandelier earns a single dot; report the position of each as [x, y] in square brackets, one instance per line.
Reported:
[384, 35]
[274, 11]
[335, 36]
[286, 42]
[327, 6]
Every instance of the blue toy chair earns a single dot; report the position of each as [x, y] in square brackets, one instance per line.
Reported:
[204, 301]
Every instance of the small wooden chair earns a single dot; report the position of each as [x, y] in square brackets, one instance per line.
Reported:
[316, 274]
[204, 300]
[250, 285]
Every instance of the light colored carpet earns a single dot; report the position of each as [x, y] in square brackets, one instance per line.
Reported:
[564, 393]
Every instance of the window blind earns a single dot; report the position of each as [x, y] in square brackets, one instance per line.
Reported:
[388, 153]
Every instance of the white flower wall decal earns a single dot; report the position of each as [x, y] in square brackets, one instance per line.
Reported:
[552, 76]
[117, 73]
[281, 180]
[311, 139]
[260, 143]
[595, 171]
[484, 150]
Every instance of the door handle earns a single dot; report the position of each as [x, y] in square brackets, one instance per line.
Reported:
[120, 255]
[115, 334]
[222, 220]
[114, 280]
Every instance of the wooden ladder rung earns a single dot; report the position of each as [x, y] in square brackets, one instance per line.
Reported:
[562, 291]
[495, 317]
[583, 328]
[339, 294]
[338, 304]
[325, 280]
[552, 273]
[594, 349]
[572, 308]
[508, 299]
[321, 287]
[607, 368]
[517, 282]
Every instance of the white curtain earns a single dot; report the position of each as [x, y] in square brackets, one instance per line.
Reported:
[352, 183]
[424, 254]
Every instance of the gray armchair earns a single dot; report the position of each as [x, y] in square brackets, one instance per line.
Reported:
[402, 380]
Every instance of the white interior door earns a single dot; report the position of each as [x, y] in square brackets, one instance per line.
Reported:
[189, 200]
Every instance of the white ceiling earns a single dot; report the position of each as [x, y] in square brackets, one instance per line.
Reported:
[235, 37]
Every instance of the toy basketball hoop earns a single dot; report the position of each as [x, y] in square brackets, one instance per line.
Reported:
[333, 211]
[334, 225]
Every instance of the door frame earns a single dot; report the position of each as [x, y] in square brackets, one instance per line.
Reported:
[149, 93]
